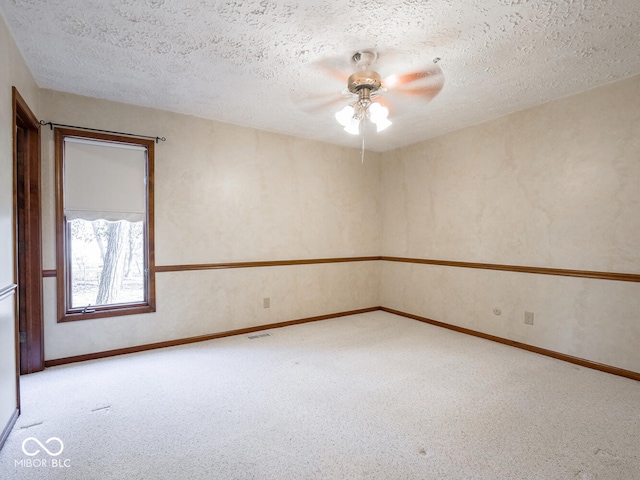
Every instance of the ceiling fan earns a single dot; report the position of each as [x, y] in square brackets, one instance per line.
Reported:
[370, 95]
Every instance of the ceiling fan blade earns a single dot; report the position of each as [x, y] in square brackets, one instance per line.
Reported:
[314, 102]
[434, 73]
[312, 97]
[425, 83]
[323, 105]
[428, 92]
[329, 67]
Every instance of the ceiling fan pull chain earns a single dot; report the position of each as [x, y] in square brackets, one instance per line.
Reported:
[362, 125]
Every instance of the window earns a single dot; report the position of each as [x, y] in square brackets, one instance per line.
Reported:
[104, 225]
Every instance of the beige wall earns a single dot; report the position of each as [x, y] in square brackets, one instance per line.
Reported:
[553, 186]
[225, 193]
[13, 72]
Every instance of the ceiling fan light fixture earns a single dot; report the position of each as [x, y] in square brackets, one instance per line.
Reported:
[378, 114]
[345, 116]
[351, 116]
[383, 124]
[354, 126]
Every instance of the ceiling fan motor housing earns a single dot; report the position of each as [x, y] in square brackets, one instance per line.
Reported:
[364, 79]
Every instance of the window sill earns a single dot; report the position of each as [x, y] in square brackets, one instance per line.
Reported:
[105, 312]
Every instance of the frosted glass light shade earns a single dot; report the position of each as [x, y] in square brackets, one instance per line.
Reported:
[382, 124]
[378, 115]
[354, 127]
[377, 112]
[345, 116]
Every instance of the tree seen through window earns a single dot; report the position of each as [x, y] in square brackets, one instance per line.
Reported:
[107, 262]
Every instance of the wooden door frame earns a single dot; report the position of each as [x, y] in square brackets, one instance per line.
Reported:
[30, 282]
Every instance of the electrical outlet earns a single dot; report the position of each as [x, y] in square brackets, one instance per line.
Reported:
[266, 303]
[528, 318]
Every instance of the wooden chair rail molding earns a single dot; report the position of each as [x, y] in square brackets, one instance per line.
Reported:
[620, 277]
[264, 263]
[268, 263]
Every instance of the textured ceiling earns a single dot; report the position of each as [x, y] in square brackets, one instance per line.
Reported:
[258, 63]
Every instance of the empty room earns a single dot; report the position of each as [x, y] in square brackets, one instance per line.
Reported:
[287, 239]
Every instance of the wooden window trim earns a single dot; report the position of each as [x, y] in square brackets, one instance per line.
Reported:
[63, 279]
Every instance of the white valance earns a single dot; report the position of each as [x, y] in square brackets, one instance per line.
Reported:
[104, 180]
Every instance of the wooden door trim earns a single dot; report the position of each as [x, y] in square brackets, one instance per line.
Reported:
[24, 118]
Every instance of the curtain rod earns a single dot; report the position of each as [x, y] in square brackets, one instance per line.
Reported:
[51, 125]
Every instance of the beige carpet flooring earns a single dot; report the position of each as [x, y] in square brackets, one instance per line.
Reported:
[371, 396]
